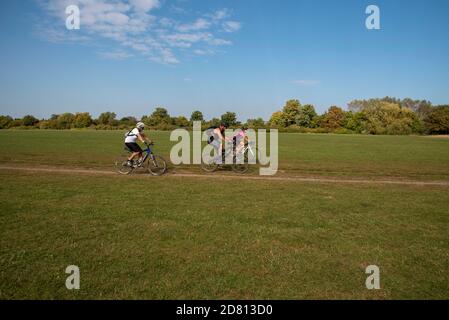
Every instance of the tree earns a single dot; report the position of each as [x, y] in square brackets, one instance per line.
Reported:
[255, 123]
[421, 107]
[128, 121]
[277, 119]
[82, 120]
[360, 105]
[160, 113]
[65, 120]
[229, 118]
[306, 116]
[182, 122]
[15, 123]
[290, 112]
[29, 121]
[334, 118]
[354, 121]
[196, 116]
[214, 122]
[107, 118]
[389, 118]
[159, 116]
[5, 121]
[438, 120]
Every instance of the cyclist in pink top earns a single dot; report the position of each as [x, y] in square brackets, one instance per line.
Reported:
[239, 139]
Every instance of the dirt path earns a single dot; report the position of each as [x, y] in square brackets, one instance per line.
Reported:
[231, 176]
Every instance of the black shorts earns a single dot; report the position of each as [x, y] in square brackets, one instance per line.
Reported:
[134, 147]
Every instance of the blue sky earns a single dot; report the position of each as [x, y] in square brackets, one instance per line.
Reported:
[214, 55]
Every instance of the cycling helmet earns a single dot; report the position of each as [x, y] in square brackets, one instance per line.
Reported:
[140, 125]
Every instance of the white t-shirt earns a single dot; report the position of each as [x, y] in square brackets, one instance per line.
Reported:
[132, 136]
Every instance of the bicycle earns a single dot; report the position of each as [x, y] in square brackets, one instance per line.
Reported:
[240, 163]
[250, 147]
[156, 165]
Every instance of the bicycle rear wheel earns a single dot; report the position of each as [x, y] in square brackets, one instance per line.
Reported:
[209, 165]
[157, 165]
[121, 165]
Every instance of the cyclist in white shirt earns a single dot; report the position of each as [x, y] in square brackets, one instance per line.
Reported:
[131, 141]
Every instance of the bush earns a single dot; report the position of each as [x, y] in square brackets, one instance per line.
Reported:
[107, 118]
[437, 122]
[15, 123]
[5, 121]
[164, 127]
[29, 121]
[105, 127]
[82, 120]
[44, 124]
[343, 131]
[65, 120]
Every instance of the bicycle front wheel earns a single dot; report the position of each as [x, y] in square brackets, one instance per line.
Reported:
[240, 165]
[121, 165]
[254, 153]
[157, 165]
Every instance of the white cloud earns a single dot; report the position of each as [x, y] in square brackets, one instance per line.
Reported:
[137, 46]
[47, 32]
[220, 14]
[231, 26]
[166, 22]
[117, 55]
[144, 5]
[187, 37]
[219, 42]
[199, 24]
[133, 25]
[165, 56]
[201, 52]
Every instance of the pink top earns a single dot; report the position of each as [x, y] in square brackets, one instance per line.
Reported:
[240, 133]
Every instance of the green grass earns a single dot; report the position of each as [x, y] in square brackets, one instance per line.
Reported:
[299, 154]
[196, 238]
[169, 237]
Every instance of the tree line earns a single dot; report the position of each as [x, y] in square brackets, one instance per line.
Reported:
[373, 116]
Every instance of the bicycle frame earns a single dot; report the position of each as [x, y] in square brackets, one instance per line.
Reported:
[148, 152]
[248, 147]
[231, 150]
[156, 165]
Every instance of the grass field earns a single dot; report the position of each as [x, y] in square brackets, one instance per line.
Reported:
[177, 237]
[416, 157]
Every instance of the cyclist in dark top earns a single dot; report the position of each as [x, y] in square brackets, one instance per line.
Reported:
[217, 139]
